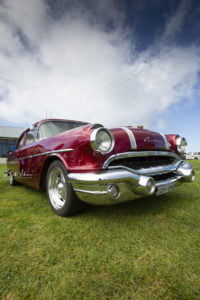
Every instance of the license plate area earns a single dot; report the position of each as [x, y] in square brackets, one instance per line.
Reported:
[162, 189]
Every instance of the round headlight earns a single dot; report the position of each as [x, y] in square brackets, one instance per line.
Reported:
[102, 140]
[181, 144]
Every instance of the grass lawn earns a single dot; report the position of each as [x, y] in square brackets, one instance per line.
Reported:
[145, 249]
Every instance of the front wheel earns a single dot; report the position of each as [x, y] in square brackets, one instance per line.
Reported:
[61, 196]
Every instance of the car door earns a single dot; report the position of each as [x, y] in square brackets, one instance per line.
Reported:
[13, 159]
[24, 155]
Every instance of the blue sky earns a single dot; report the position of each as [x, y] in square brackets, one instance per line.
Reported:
[112, 62]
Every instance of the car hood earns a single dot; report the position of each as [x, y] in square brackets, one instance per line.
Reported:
[129, 138]
[126, 138]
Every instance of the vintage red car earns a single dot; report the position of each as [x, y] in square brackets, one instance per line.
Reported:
[78, 162]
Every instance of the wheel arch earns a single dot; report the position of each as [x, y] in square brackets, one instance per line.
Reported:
[48, 162]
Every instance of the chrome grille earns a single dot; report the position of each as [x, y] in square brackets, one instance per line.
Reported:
[144, 162]
[165, 176]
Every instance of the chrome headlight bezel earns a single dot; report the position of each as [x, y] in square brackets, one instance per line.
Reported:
[95, 143]
[181, 144]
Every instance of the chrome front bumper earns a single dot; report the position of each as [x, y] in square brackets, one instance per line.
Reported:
[120, 184]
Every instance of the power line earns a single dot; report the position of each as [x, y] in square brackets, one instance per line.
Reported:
[126, 77]
[153, 91]
[157, 93]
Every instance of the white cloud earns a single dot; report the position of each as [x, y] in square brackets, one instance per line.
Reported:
[73, 68]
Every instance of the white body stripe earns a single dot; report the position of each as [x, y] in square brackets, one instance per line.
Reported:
[131, 137]
[165, 140]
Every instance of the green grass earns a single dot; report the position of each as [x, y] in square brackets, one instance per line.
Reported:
[145, 249]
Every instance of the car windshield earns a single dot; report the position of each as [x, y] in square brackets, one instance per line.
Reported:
[51, 128]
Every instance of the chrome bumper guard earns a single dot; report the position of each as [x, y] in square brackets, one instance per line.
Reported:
[119, 184]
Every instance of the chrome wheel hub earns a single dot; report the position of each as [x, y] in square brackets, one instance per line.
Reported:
[57, 188]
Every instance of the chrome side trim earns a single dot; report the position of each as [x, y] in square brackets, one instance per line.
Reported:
[46, 153]
[138, 154]
[131, 137]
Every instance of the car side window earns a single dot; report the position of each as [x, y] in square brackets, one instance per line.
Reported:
[20, 142]
[30, 137]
